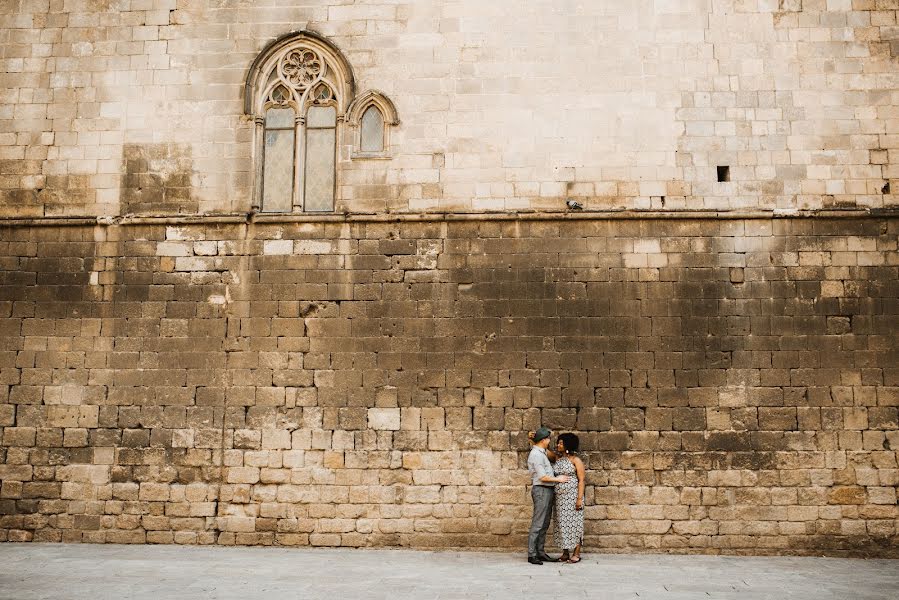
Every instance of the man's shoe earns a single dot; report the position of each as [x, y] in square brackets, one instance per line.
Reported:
[547, 558]
[534, 560]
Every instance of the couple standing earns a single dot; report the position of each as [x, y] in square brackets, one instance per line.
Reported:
[558, 479]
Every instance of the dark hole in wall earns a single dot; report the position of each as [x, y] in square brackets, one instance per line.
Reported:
[723, 174]
[886, 188]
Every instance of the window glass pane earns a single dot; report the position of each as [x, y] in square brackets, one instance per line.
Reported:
[277, 169]
[319, 169]
[280, 94]
[279, 118]
[372, 130]
[321, 116]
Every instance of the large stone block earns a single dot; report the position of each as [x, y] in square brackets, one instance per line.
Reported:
[384, 419]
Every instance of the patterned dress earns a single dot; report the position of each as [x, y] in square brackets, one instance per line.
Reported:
[569, 523]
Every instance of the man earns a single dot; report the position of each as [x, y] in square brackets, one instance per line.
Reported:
[542, 493]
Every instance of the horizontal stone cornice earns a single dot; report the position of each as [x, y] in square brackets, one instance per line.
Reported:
[269, 218]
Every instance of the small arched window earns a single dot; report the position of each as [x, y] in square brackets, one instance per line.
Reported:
[373, 115]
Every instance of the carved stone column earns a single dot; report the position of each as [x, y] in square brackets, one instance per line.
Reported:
[299, 189]
[259, 151]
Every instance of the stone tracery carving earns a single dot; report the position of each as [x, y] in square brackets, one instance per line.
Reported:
[322, 94]
[301, 67]
[280, 95]
[299, 71]
[299, 62]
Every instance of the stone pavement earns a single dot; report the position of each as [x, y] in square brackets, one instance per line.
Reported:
[32, 571]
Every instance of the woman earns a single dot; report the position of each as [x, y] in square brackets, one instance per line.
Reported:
[569, 509]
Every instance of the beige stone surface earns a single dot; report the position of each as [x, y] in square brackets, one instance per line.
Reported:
[353, 380]
[335, 392]
[135, 106]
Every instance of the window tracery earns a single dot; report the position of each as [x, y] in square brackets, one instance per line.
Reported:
[301, 93]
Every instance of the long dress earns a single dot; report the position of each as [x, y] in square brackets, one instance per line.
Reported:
[569, 522]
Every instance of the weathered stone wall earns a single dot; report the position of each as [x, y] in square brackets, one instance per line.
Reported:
[115, 106]
[735, 382]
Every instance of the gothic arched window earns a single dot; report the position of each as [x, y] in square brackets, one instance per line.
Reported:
[297, 90]
[373, 114]
[300, 91]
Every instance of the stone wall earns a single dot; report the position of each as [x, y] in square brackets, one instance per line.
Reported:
[353, 382]
[109, 107]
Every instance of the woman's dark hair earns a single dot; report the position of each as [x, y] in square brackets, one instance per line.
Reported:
[570, 441]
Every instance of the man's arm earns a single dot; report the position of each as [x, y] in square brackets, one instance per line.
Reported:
[552, 456]
[547, 475]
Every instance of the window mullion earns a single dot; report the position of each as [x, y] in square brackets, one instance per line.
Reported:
[299, 189]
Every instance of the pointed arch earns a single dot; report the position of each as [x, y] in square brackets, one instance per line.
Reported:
[368, 98]
[364, 104]
[298, 60]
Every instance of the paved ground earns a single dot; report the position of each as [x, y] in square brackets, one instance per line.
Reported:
[30, 571]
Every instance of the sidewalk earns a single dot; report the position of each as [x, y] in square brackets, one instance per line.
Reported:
[31, 571]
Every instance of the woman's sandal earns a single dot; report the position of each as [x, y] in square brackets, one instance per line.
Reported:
[573, 560]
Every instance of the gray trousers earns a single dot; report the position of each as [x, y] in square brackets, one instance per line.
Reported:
[543, 511]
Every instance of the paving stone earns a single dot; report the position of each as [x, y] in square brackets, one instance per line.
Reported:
[53, 570]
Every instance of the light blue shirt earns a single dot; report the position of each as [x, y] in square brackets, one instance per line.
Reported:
[539, 466]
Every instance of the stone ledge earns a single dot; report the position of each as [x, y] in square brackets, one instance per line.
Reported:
[581, 215]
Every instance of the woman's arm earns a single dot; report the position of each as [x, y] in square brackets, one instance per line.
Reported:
[581, 476]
